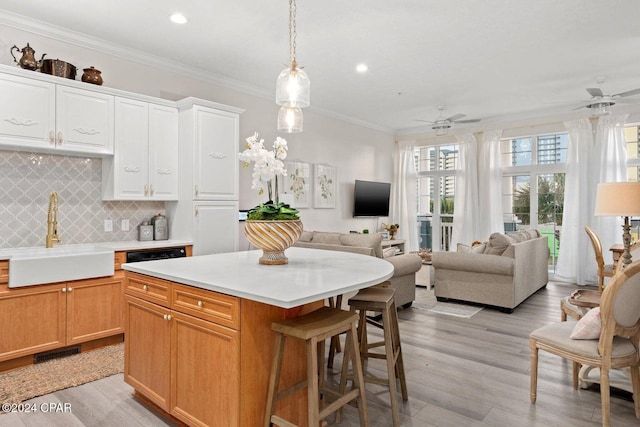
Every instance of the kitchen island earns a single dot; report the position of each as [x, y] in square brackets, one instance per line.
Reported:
[198, 339]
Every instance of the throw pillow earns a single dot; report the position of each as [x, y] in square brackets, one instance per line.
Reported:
[498, 243]
[477, 249]
[519, 236]
[372, 241]
[588, 327]
[323, 237]
[306, 236]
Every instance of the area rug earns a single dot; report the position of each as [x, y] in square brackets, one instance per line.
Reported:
[43, 378]
[426, 300]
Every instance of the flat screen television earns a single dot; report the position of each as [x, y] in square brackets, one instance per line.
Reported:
[371, 198]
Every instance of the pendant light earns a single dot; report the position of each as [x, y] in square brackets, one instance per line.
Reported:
[290, 120]
[293, 86]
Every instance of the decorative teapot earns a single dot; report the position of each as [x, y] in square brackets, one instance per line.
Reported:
[28, 60]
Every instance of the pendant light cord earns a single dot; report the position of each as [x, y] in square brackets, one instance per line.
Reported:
[292, 32]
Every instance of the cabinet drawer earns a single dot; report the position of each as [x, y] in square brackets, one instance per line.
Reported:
[147, 288]
[208, 305]
[4, 272]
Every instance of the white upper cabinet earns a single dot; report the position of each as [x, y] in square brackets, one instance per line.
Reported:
[43, 116]
[27, 112]
[215, 139]
[84, 121]
[145, 162]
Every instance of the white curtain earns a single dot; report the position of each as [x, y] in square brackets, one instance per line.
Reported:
[466, 209]
[609, 165]
[575, 259]
[490, 185]
[403, 195]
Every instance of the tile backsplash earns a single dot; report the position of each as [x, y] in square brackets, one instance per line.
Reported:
[27, 180]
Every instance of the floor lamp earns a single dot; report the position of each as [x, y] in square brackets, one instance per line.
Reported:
[619, 199]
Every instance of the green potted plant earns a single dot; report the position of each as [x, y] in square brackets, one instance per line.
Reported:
[272, 226]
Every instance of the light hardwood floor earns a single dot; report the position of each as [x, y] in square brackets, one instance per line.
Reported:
[460, 372]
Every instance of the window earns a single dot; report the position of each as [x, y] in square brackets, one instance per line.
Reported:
[436, 166]
[631, 133]
[533, 185]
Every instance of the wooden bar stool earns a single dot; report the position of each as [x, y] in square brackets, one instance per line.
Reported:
[380, 300]
[314, 328]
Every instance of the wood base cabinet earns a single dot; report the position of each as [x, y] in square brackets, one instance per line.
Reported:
[205, 357]
[186, 365]
[47, 317]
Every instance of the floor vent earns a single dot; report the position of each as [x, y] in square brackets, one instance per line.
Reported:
[55, 354]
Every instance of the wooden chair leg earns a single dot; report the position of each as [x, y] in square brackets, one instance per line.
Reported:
[605, 397]
[274, 379]
[576, 372]
[358, 377]
[534, 371]
[391, 368]
[397, 346]
[635, 382]
[312, 382]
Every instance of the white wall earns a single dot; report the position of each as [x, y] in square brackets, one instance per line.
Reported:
[356, 152]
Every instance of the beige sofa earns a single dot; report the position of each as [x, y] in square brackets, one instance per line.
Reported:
[405, 266]
[502, 272]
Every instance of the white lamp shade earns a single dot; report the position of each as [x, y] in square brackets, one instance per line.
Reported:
[618, 199]
[290, 120]
[293, 88]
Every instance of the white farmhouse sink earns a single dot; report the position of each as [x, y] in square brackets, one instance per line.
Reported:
[35, 266]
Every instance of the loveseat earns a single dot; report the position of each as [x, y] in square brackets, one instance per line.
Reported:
[405, 266]
[502, 272]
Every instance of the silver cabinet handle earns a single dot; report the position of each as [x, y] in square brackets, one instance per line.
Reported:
[52, 137]
[196, 190]
[200, 304]
[69, 289]
[60, 139]
[197, 210]
[167, 317]
[64, 289]
[145, 288]
[151, 190]
[146, 190]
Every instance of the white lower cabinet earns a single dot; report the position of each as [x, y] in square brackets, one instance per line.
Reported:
[145, 163]
[215, 226]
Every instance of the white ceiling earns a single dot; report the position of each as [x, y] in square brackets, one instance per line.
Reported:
[488, 59]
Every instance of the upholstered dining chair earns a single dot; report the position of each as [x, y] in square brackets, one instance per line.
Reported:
[617, 346]
[604, 270]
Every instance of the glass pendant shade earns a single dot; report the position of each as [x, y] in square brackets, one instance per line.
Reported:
[293, 88]
[290, 120]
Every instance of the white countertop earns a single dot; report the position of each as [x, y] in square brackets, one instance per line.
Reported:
[311, 275]
[129, 245]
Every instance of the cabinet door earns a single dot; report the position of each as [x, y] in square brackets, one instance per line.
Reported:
[84, 121]
[215, 154]
[130, 168]
[147, 364]
[205, 372]
[27, 112]
[32, 319]
[163, 152]
[215, 227]
[94, 309]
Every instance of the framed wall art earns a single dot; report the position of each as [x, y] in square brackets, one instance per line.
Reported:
[297, 184]
[324, 186]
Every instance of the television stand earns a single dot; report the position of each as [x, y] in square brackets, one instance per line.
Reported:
[398, 244]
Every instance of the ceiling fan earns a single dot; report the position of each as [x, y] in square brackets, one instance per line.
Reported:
[442, 124]
[600, 101]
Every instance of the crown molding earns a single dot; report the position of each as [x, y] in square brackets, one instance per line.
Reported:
[55, 32]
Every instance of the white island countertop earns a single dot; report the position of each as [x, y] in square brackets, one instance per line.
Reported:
[311, 274]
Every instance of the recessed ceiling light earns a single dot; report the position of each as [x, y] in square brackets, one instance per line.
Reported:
[362, 68]
[178, 18]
